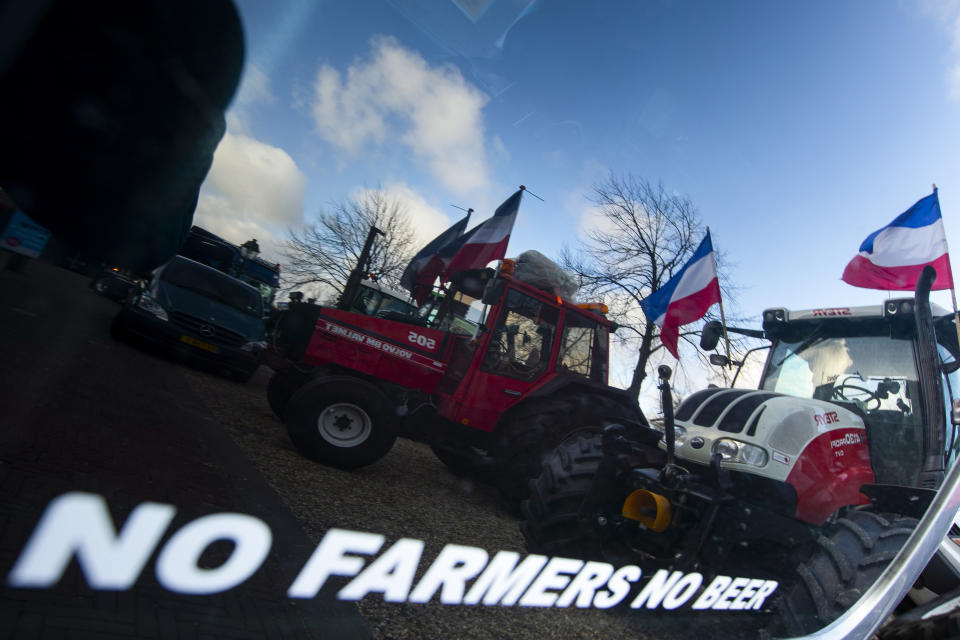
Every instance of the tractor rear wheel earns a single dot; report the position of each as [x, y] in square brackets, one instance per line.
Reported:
[461, 459]
[843, 566]
[340, 422]
[530, 432]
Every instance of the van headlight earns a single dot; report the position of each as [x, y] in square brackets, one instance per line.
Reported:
[731, 450]
[150, 305]
[256, 345]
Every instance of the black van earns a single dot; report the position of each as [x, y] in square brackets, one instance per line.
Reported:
[198, 311]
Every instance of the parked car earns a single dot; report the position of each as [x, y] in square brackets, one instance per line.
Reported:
[199, 312]
[114, 283]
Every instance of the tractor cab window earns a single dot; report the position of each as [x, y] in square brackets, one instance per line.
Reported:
[365, 301]
[521, 343]
[582, 347]
[456, 312]
[873, 375]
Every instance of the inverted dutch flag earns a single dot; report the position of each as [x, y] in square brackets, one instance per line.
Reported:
[488, 240]
[429, 262]
[892, 258]
[686, 297]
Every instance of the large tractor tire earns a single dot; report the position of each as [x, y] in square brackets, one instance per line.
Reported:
[846, 562]
[281, 387]
[530, 432]
[551, 513]
[339, 421]
[461, 459]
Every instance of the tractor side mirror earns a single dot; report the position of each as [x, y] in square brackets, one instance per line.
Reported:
[719, 360]
[710, 336]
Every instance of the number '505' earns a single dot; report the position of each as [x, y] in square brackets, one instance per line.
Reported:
[421, 340]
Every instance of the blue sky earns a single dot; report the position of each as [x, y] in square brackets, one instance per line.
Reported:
[795, 128]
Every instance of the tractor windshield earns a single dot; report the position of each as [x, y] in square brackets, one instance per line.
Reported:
[875, 376]
[460, 313]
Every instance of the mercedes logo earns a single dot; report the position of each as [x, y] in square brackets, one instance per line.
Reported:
[207, 330]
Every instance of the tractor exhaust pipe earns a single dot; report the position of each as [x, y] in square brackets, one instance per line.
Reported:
[932, 473]
[666, 400]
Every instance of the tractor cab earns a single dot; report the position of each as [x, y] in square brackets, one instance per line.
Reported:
[525, 340]
[870, 361]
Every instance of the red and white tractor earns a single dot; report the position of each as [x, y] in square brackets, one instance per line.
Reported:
[816, 479]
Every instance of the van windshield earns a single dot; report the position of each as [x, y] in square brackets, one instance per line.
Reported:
[212, 284]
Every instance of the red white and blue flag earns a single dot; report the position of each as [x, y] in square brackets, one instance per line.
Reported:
[487, 241]
[429, 263]
[686, 297]
[892, 258]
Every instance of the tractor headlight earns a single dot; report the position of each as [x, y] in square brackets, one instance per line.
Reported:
[680, 436]
[731, 450]
[150, 305]
[257, 345]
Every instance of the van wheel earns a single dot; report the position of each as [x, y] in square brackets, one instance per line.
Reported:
[340, 422]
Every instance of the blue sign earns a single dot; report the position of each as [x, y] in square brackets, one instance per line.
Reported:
[25, 236]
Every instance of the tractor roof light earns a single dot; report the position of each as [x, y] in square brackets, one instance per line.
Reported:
[507, 266]
[774, 315]
[903, 306]
[595, 307]
[731, 450]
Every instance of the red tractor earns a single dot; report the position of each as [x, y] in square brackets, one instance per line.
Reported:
[492, 374]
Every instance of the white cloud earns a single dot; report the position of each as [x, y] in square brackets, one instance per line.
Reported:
[396, 96]
[947, 12]
[954, 72]
[255, 87]
[428, 221]
[253, 190]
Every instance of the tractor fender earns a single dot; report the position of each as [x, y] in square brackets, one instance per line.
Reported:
[910, 501]
[326, 376]
[563, 385]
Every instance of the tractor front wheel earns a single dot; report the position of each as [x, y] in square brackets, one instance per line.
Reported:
[845, 563]
[340, 422]
[553, 522]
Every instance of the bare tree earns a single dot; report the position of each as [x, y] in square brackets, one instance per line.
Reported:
[325, 252]
[644, 235]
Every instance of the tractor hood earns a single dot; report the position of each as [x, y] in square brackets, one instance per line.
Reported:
[762, 432]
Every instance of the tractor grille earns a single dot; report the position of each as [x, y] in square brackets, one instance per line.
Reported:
[690, 405]
[220, 335]
[735, 419]
[728, 410]
[712, 409]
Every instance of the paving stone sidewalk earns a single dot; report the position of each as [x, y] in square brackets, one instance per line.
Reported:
[82, 412]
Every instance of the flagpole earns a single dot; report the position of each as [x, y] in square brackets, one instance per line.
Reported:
[723, 320]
